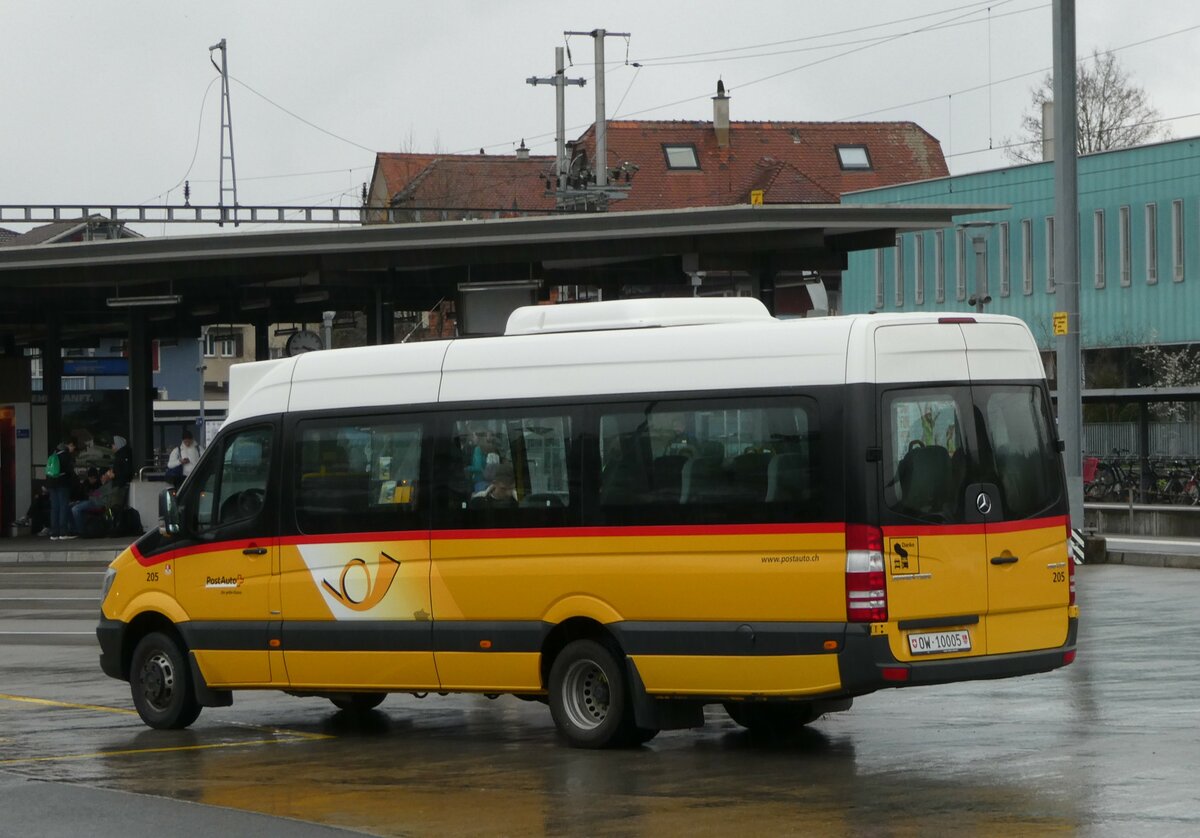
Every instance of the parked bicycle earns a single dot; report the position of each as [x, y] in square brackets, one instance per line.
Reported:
[1111, 480]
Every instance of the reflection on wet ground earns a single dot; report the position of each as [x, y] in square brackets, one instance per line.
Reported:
[1106, 746]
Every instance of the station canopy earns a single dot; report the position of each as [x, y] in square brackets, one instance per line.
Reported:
[176, 285]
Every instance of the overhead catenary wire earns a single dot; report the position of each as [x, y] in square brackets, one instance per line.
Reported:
[536, 140]
[816, 48]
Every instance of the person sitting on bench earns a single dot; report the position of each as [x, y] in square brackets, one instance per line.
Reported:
[109, 497]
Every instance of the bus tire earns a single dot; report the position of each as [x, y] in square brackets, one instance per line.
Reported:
[357, 702]
[161, 683]
[772, 718]
[589, 700]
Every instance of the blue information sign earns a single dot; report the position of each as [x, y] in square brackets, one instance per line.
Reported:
[95, 366]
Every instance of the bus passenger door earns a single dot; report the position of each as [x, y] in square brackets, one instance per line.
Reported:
[226, 577]
[355, 576]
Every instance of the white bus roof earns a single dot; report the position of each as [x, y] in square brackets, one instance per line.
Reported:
[642, 346]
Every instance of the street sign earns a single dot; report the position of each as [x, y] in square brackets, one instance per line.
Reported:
[756, 197]
[1060, 323]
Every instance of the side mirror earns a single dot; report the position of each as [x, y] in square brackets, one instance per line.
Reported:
[168, 513]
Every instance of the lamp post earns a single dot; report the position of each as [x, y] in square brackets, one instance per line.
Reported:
[979, 236]
[202, 425]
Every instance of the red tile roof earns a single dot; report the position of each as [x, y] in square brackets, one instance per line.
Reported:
[485, 182]
[792, 162]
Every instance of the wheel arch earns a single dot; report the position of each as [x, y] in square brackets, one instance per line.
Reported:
[569, 630]
[141, 625]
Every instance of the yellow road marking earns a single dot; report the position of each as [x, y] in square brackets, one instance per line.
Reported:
[46, 702]
[135, 751]
[284, 734]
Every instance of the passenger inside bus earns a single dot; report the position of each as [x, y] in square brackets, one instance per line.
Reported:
[500, 493]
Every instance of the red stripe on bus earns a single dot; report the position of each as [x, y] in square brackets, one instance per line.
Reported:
[522, 532]
[644, 531]
[977, 529]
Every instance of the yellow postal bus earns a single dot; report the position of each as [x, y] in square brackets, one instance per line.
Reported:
[626, 510]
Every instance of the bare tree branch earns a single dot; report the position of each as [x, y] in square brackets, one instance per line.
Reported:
[1111, 112]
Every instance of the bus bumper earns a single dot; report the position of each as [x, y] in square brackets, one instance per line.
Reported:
[111, 633]
[867, 663]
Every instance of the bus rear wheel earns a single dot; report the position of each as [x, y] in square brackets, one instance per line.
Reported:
[357, 702]
[772, 718]
[161, 683]
[589, 698]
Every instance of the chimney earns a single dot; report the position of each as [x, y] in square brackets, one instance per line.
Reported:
[721, 115]
[1048, 131]
[522, 152]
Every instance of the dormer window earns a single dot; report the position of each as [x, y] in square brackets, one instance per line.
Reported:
[854, 157]
[681, 156]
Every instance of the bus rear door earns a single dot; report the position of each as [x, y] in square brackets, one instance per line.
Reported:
[1020, 496]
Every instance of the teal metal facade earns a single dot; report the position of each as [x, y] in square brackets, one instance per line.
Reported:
[1139, 248]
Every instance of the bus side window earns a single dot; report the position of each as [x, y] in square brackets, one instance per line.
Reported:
[357, 475]
[506, 470]
[715, 461]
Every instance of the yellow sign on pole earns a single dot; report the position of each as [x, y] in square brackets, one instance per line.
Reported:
[1060, 323]
[756, 197]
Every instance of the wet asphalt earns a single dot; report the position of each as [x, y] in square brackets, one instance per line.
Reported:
[1107, 746]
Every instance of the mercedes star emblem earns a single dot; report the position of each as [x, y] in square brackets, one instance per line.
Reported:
[983, 503]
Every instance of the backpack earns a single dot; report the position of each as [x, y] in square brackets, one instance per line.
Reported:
[53, 467]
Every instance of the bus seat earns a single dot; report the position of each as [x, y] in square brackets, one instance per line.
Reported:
[788, 478]
[666, 476]
[924, 478]
[703, 481]
[624, 482]
[750, 480]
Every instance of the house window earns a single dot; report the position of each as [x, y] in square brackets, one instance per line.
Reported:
[960, 266]
[1005, 268]
[1151, 244]
[1049, 254]
[878, 280]
[681, 156]
[220, 344]
[1027, 256]
[899, 272]
[854, 157]
[919, 269]
[939, 266]
[1126, 242]
[1100, 263]
[1177, 240]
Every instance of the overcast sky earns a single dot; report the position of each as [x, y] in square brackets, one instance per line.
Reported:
[116, 102]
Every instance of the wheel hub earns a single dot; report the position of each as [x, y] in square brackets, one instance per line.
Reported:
[587, 695]
[158, 680]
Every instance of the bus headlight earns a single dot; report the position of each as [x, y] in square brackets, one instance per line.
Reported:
[109, 576]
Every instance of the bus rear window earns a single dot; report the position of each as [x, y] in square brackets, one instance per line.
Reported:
[940, 440]
[926, 460]
[1018, 447]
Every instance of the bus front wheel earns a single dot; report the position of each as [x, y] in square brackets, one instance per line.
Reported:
[589, 700]
[161, 683]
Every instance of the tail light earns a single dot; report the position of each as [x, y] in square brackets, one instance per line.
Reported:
[866, 588]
